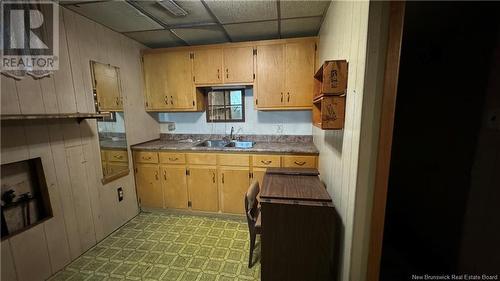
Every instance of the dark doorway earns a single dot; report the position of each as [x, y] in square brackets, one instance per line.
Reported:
[445, 162]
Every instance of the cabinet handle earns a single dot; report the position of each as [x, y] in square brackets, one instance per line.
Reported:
[266, 162]
[281, 96]
[288, 96]
[118, 156]
[218, 73]
[222, 177]
[227, 73]
[156, 175]
[121, 100]
[166, 99]
[173, 159]
[165, 174]
[301, 163]
[146, 158]
[117, 101]
[213, 177]
[171, 100]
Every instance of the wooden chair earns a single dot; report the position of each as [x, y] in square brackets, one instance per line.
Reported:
[252, 211]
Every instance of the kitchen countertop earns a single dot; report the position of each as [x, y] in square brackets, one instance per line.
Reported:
[111, 144]
[259, 147]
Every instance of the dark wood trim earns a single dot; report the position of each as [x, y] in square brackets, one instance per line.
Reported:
[396, 22]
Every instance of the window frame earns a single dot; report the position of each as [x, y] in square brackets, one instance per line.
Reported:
[208, 107]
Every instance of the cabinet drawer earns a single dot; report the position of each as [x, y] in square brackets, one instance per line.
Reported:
[146, 157]
[201, 158]
[172, 158]
[117, 155]
[234, 160]
[266, 161]
[299, 161]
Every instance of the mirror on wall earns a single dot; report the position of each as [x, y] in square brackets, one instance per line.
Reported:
[112, 138]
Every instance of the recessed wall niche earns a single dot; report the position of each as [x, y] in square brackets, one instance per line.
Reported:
[24, 195]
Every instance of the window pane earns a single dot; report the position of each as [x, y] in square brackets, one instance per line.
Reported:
[236, 112]
[236, 97]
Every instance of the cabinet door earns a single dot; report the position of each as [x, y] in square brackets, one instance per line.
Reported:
[174, 185]
[202, 187]
[258, 175]
[238, 65]
[115, 167]
[207, 66]
[270, 76]
[148, 184]
[234, 183]
[155, 81]
[180, 88]
[107, 85]
[299, 74]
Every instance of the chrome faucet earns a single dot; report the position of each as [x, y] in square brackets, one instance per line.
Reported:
[231, 135]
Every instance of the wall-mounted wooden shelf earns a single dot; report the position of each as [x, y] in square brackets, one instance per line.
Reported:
[328, 112]
[331, 79]
[77, 116]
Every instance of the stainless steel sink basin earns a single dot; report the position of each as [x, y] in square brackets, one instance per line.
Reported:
[241, 144]
[213, 143]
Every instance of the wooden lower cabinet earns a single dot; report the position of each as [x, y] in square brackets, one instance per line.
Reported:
[202, 187]
[210, 182]
[148, 184]
[233, 183]
[174, 184]
[116, 167]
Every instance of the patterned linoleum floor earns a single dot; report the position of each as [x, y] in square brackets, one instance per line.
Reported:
[169, 246]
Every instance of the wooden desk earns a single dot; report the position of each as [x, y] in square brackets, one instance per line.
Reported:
[298, 222]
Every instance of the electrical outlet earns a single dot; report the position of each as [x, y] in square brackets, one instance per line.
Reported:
[120, 194]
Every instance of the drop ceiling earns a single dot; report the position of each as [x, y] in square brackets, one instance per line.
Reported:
[207, 21]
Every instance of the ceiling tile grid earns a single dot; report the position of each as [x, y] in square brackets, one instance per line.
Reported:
[207, 21]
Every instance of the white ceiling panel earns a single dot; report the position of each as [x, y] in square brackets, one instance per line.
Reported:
[253, 31]
[242, 11]
[119, 16]
[300, 27]
[195, 9]
[156, 38]
[201, 35]
[292, 9]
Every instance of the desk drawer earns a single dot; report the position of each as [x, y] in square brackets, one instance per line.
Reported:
[233, 160]
[266, 161]
[299, 161]
[146, 157]
[201, 158]
[172, 158]
[117, 155]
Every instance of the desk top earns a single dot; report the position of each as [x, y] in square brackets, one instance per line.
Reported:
[293, 184]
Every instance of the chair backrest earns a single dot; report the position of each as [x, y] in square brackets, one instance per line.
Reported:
[251, 203]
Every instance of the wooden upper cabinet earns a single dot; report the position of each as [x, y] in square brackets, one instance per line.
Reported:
[299, 74]
[107, 87]
[238, 65]
[207, 65]
[155, 81]
[179, 74]
[270, 76]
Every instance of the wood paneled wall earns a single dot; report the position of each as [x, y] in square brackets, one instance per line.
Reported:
[353, 30]
[85, 210]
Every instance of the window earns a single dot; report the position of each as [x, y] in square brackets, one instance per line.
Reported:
[226, 105]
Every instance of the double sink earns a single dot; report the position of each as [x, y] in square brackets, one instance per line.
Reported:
[224, 143]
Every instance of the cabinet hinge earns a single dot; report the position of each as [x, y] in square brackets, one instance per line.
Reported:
[135, 170]
[147, 104]
[191, 55]
[254, 76]
[254, 52]
[256, 101]
[189, 204]
[250, 175]
[187, 172]
[193, 79]
[194, 103]
[315, 46]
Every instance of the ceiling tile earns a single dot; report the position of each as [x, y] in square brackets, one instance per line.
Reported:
[242, 11]
[253, 31]
[300, 27]
[156, 38]
[201, 35]
[119, 16]
[292, 9]
[197, 13]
